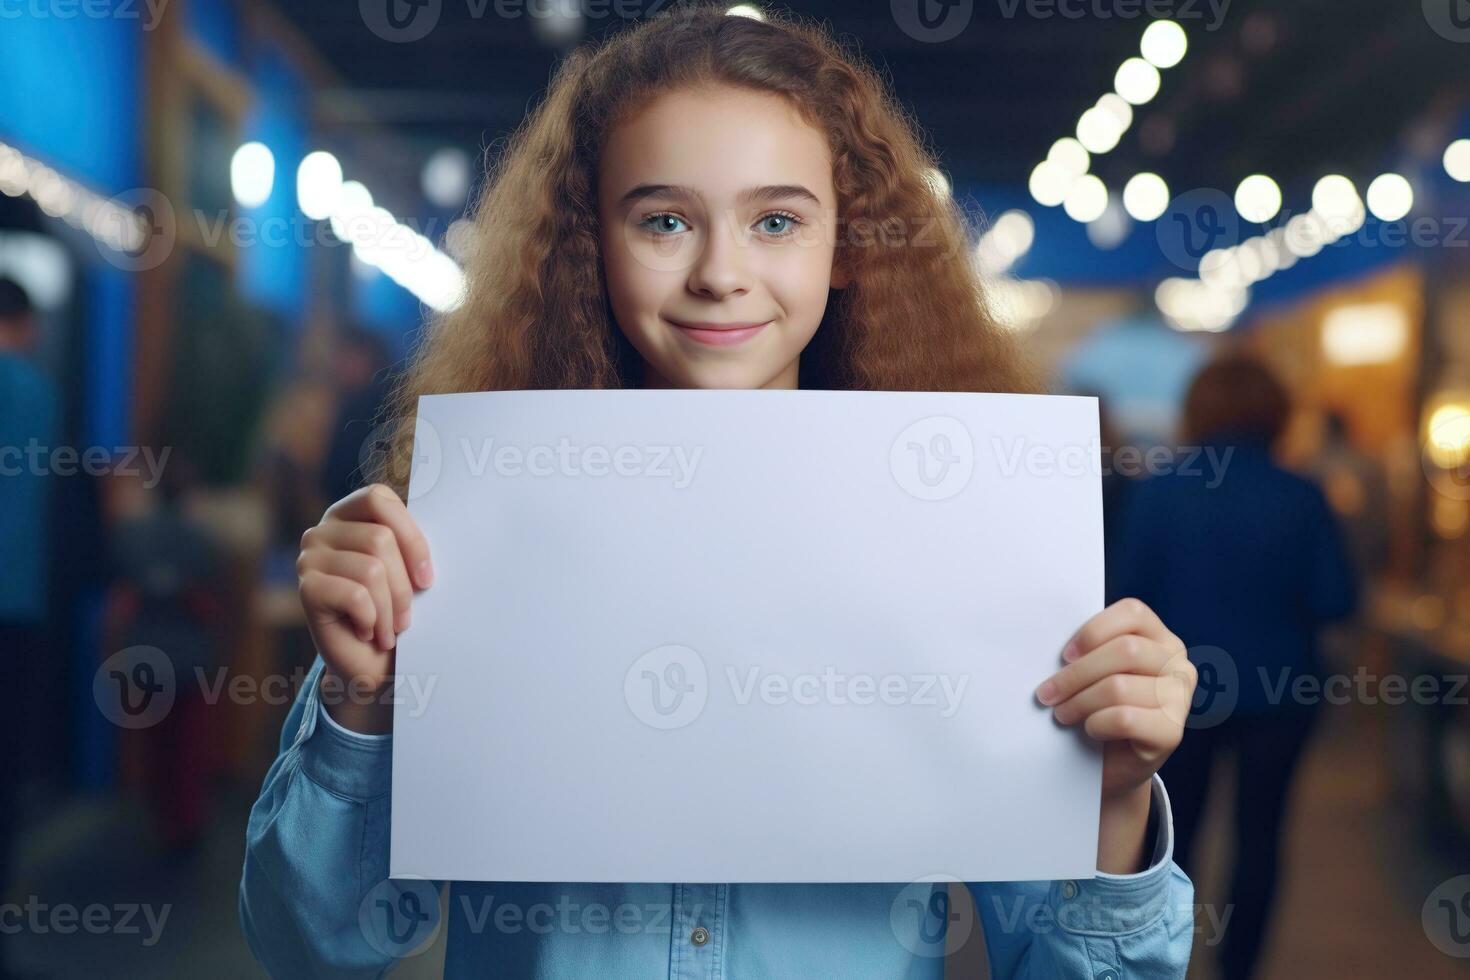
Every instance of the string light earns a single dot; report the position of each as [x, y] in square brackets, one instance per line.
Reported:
[118, 228]
[1102, 126]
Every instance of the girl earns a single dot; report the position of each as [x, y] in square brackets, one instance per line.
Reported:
[717, 202]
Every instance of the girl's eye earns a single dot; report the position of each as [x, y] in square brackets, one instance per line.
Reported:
[777, 224]
[785, 224]
[659, 223]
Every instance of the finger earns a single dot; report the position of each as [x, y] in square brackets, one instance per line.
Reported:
[1122, 617]
[353, 662]
[377, 541]
[1153, 735]
[332, 599]
[1131, 654]
[1115, 689]
[367, 570]
[380, 505]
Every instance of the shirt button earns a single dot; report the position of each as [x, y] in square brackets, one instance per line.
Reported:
[699, 936]
[1107, 975]
[1069, 890]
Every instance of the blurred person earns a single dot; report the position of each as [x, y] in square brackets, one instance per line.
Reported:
[1356, 486]
[650, 141]
[1117, 484]
[29, 428]
[168, 596]
[1117, 491]
[1246, 571]
[360, 370]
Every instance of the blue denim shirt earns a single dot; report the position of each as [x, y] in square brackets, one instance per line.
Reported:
[315, 901]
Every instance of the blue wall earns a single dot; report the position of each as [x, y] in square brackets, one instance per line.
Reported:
[273, 271]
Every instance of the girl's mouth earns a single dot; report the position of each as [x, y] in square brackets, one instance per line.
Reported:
[720, 334]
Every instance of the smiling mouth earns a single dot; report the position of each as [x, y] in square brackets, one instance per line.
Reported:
[720, 334]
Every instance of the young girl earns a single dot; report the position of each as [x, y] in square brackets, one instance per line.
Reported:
[704, 201]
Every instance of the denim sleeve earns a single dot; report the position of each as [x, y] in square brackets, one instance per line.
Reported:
[315, 900]
[1112, 927]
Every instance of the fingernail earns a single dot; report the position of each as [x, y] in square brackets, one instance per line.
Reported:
[1071, 652]
[404, 620]
[425, 573]
[1047, 692]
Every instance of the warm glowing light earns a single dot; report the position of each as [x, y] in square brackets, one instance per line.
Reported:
[1390, 197]
[1365, 333]
[1457, 160]
[1006, 241]
[1137, 81]
[1086, 199]
[252, 174]
[1258, 198]
[1049, 183]
[1448, 437]
[1334, 197]
[318, 185]
[1070, 155]
[1145, 196]
[1164, 44]
[1098, 130]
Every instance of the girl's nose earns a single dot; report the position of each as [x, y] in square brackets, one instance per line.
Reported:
[723, 267]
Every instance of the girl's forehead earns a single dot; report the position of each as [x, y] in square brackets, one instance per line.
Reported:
[718, 143]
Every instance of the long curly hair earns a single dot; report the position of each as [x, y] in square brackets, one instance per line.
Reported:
[536, 312]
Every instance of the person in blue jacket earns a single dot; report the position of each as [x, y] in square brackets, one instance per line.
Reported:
[702, 201]
[1247, 563]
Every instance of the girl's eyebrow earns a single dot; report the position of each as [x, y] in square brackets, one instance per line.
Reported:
[769, 192]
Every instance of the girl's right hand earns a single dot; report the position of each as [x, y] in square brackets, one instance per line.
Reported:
[358, 570]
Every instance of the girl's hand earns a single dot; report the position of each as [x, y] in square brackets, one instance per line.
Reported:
[1129, 683]
[358, 569]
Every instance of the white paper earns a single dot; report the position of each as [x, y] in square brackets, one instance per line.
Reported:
[857, 594]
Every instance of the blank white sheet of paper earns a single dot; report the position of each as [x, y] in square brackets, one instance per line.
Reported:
[747, 636]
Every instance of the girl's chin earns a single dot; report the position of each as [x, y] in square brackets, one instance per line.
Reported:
[750, 374]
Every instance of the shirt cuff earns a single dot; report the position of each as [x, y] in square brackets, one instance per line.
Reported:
[351, 764]
[1113, 904]
[346, 732]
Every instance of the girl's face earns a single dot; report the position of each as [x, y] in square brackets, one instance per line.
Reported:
[718, 220]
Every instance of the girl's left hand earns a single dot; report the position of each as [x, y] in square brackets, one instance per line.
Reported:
[1129, 682]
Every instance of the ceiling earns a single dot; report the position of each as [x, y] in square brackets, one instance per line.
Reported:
[1292, 88]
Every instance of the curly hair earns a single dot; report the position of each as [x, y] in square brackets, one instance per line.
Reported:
[536, 313]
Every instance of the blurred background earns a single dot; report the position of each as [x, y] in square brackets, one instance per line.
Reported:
[222, 224]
